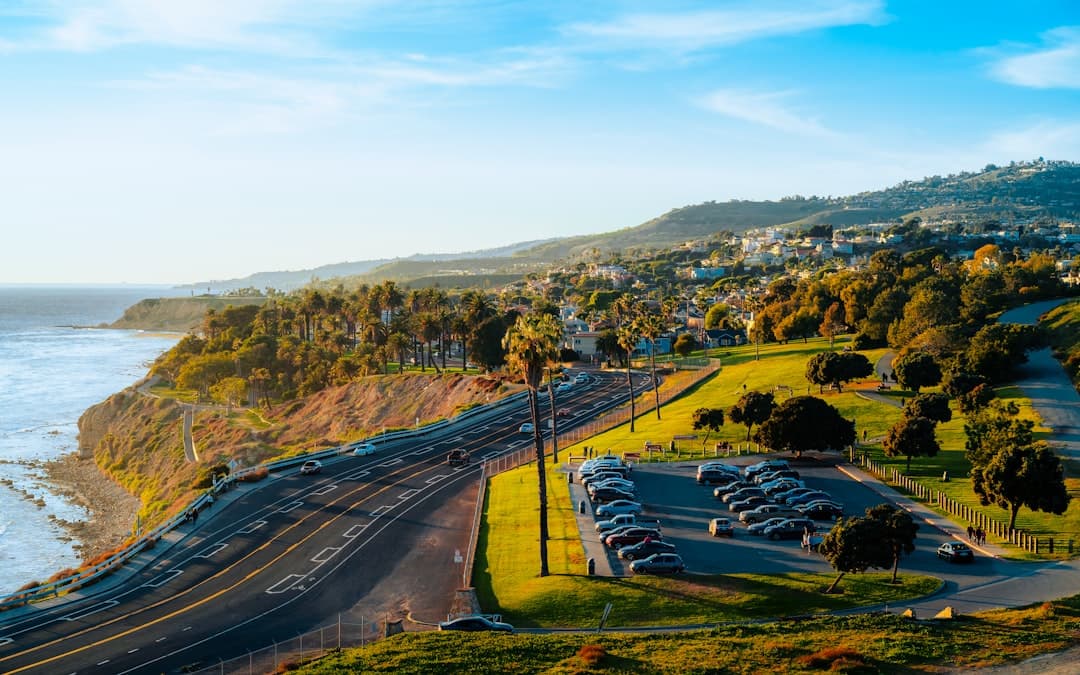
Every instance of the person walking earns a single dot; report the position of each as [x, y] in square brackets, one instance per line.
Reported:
[971, 533]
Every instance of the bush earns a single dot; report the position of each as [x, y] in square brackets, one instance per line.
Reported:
[567, 355]
[841, 659]
[864, 341]
[204, 477]
[255, 475]
[592, 654]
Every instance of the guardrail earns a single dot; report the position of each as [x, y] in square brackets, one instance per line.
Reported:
[85, 577]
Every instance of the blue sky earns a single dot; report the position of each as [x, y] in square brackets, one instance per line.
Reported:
[184, 140]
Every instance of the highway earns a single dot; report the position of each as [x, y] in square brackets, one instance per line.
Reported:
[287, 555]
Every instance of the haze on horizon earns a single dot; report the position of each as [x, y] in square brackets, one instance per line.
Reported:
[158, 141]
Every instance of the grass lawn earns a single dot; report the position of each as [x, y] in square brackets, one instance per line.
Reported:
[507, 581]
[864, 643]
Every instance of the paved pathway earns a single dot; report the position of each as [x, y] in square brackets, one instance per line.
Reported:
[590, 540]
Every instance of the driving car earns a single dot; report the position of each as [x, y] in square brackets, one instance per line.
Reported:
[742, 493]
[581, 378]
[659, 563]
[526, 428]
[476, 622]
[562, 412]
[766, 511]
[721, 527]
[311, 466]
[614, 508]
[362, 449]
[457, 457]
[564, 387]
[751, 502]
[792, 528]
[631, 535]
[955, 551]
[645, 549]
[759, 528]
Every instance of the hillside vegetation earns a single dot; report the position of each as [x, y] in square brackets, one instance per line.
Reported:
[178, 314]
[1063, 326]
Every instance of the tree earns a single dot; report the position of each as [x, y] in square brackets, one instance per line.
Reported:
[714, 318]
[911, 437]
[229, 390]
[836, 368]
[933, 406]
[685, 344]
[1022, 475]
[805, 423]
[853, 545]
[833, 323]
[753, 407]
[710, 419]
[916, 370]
[627, 311]
[650, 326]
[531, 344]
[898, 531]
[996, 350]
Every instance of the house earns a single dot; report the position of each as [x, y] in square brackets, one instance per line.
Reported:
[584, 343]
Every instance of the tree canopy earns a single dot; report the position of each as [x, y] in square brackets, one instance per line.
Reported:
[753, 407]
[710, 419]
[933, 406]
[804, 423]
[911, 437]
[916, 370]
[835, 368]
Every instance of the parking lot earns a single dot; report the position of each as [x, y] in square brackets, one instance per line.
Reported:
[670, 494]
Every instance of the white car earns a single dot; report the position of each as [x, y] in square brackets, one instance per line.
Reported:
[617, 507]
[617, 483]
[581, 378]
[310, 467]
[527, 428]
[563, 388]
[362, 449]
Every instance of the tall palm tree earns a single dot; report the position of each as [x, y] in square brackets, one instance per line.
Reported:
[650, 326]
[531, 344]
[626, 311]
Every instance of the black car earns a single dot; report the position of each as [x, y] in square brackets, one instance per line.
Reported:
[727, 489]
[822, 511]
[609, 494]
[715, 477]
[742, 493]
[767, 476]
[792, 528]
[476, 622]
[808, 497]
[955, 551]
[765, 466]
[645, 549]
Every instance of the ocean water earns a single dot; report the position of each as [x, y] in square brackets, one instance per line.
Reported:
[53, 366]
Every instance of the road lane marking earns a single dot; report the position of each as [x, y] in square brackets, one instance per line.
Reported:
[325, 554]
[493, 453]
[381, 510]
[290, 507]
[161, 639]
[211, 550]
[132, 651]
[6, 641]
[436, 478]
[421, 451]
[358, 474]
[392, 462]
[354, 531]
[163, 579]
[93, 609]
[324, 490]
[185, 628]
[407, 494]
[251, 527]
[514, 444]
[101, 663]
[285, 584]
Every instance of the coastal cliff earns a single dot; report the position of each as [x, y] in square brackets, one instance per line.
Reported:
[178, 314]
[137, 438]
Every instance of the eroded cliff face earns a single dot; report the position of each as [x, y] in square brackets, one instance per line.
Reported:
[138, 439]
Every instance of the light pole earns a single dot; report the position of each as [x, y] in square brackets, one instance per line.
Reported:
[554, 428]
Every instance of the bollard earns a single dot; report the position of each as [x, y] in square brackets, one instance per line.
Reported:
[581, 506]
[592, 566]
[945, 477]
[570, 477]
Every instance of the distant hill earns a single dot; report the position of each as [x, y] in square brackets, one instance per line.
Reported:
[1022, 192]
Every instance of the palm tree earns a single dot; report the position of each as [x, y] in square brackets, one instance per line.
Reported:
[626, 311]
[650, 326]
[531, 344]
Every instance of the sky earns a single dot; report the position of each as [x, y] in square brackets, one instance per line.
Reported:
[174, 141]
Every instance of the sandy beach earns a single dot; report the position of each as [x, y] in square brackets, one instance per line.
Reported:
[111, 509]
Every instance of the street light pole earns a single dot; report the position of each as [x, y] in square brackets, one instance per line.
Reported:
[554, 428]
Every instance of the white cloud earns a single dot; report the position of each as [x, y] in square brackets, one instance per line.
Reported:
[1050, 139]
[1056, 64]
[687, 31]
[766, 109]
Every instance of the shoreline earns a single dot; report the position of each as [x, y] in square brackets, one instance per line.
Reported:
[111, 510]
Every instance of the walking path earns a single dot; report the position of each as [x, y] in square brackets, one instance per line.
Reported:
[586, 522]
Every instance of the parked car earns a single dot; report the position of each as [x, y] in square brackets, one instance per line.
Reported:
[766, 511]
[784, 496]
[751, 502]
[600, 476]
[310, 467]
[617, 483]
[457, 457]
[362, 449]
[792, 528]
[609, 494]
[606, 467]
[742, 493]
[476, 622]
[526, 428]
[807, 497]
[631, 535]
[715, 477]
[766, 465]
[955, 551]
[781, 485]
[721, 527]
[614, 508]
[821, 511]
[721, 490]
[645, 549]
[606, 526]
[730, 468]
[766, 476]
[759, 528]
[659, 563]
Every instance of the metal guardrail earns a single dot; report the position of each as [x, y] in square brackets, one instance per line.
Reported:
[87, 576]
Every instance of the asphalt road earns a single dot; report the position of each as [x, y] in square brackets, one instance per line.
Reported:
[290, 554]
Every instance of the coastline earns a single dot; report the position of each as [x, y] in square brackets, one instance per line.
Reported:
[111, 510]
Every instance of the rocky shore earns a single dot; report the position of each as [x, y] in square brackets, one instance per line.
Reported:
[111, 509]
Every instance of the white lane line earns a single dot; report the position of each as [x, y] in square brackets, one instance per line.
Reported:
[457, 438]
[354, 531]
[93, 609]
[358, 474]
[324, 490]
[436, 479]
[392, 462]
[101, 663]
[285, 584]
[251, 527]
[381, 510]
[491, 454]
[161, 639]
[132, 651]
[290, 507]
[6, 641]
[185, 628]
[325, 554]
[163, 579]
[421, 451]
[514, 444]
[508, 418]
[211, 550]
[407, 494]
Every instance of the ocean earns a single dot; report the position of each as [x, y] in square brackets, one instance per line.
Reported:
[52, 368]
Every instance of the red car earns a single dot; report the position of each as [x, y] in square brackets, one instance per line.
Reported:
[562, 412]
[631, 535]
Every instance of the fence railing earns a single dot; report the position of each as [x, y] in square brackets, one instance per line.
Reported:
[976, 518]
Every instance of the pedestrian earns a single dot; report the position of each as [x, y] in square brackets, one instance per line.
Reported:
[209, 500]
[864, 435]
[194, 515]
[971, 533]
[979, 535]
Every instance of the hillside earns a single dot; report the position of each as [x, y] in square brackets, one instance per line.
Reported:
[137, 438]
[1022, 192]
[177, 314]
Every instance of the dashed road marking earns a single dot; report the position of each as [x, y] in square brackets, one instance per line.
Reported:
[285, 584]
[325, 554]
[489, 455]
[290, 507]
[132, 651]
[6, 641]
[324, 490]
[358, 474]
[185, 628]
[354, 531]
[161, 639]
[407, 494]
[421, 451]
[163, 579]
[392, 462]
[211, 550]
[436, 479]
[93, 609]
[251, 527]
[381, 510]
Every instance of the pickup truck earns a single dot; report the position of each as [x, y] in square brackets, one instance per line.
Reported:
[626, 519]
